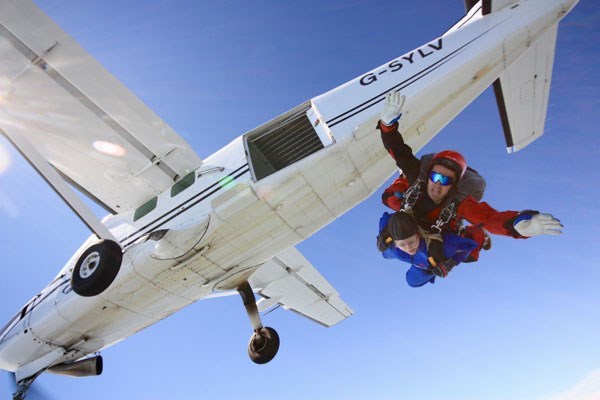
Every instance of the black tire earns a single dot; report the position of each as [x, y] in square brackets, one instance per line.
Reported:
[264, 348]
[97, 268]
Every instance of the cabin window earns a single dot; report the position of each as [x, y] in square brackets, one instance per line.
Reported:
[183, 184]
[145, 208]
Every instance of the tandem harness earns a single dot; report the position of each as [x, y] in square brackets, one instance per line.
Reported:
[471, 184]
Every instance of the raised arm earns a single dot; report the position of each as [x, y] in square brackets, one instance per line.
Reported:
[392, 139]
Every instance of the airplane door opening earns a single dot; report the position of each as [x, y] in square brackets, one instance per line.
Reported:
[286, 140]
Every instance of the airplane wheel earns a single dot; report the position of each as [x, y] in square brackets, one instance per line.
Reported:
[97, 268]
[263, 348]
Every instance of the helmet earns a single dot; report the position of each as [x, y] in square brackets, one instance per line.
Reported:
[402, 225]
[451, 160]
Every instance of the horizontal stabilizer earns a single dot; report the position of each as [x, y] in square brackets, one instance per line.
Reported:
[289, 280]
[522, 92]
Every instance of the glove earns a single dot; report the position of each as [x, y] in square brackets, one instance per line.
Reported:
[443, 268]
[532, 223]
[391, 112]
[440, 264]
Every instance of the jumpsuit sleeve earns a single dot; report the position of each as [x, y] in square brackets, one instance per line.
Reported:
[457, 247]
[388, 253]
[400, 151]
[493, 221]
[393, 195]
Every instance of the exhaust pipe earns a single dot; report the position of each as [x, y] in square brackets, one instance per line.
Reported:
[89, 367]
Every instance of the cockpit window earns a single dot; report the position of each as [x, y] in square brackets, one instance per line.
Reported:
[145, 208]
[183, 184]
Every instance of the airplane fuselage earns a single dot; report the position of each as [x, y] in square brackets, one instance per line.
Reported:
[251, 200]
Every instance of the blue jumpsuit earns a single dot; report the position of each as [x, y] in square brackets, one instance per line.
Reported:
[455, 247]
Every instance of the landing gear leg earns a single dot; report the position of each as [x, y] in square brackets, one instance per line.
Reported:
[264, 343]
[23, 387]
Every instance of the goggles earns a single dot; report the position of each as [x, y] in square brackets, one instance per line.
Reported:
[443, 180]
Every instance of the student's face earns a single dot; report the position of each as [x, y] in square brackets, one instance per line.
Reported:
[409, 245]
[436, 191]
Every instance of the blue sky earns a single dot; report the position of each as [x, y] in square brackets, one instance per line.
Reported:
[522, 323]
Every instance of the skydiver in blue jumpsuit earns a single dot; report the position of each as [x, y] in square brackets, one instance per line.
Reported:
[429, 256]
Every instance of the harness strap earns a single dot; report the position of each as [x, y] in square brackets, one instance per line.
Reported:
[412, 195]
[446, 215]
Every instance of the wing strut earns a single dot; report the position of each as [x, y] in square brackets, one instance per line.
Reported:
[59, 185]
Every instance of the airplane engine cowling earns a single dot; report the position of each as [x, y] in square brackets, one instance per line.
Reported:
[88, 367]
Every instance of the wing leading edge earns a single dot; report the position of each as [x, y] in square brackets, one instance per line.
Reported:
[83, 121]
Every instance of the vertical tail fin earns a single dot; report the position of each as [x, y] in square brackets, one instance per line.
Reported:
[522, 92]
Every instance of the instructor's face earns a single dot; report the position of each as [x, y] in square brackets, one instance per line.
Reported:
[436, 191]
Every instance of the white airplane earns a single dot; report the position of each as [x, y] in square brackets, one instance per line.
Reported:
[180, 229]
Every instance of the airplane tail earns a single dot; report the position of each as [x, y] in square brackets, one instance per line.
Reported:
[523, 89]
[522, 92]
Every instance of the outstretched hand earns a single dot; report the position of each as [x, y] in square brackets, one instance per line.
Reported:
[440, 264]
[529, 224]
[392, 109]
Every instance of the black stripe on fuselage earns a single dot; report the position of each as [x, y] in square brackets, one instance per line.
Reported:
[176, 211]
[402, 85]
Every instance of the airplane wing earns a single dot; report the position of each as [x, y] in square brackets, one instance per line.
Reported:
[79, 118]
[292, 282]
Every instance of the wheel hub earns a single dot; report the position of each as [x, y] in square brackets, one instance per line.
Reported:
[89, 265]
[258, 343]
